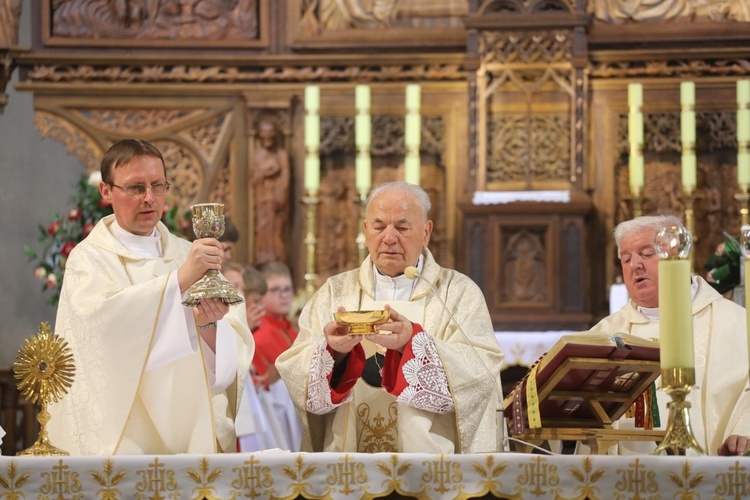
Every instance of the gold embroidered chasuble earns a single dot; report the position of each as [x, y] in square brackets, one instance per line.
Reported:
[720, 402]
[109, 309]
[370, 419]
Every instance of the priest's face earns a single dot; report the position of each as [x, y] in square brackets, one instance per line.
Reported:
[396, 231]
[136, 214]
[640, 266]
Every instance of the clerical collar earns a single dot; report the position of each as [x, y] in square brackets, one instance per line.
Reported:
[652, 313]
[143, 246]
[394, 287]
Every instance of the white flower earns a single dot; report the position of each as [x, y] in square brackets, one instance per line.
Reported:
[40, 273]
[95, 179]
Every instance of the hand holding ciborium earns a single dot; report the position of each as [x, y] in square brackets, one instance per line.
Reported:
[208, 222]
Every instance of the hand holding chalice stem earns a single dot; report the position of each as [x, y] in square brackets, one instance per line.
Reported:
[208, 222]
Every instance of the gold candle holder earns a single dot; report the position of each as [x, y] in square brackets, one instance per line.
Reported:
[311, 202]
[636, 201]
[679, 437]
[689, 196]
[743, 198]
[361, 246]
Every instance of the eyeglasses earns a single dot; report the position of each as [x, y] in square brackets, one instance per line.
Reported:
[159, 189]
[280, 291]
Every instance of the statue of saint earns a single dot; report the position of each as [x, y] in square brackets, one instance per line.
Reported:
[270, 175]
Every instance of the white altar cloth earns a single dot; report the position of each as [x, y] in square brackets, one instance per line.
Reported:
[524, 348]
[358, 475]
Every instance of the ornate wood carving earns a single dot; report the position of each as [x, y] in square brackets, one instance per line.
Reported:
[338, 214]
[10, 12]
[324, 23]
[531, 261]
[674, 68]
[620, 11]
[210, 73]
[192, 141]
[185, 23]
[530, 94]
[716, 210]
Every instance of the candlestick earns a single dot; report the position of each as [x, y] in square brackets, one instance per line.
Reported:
[742, 199]
[673, 245]
[311, 207]
[745, 248]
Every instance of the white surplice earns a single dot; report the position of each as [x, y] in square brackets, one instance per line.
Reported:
[145, 381]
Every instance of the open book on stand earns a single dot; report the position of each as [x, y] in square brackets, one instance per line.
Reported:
[586, 380]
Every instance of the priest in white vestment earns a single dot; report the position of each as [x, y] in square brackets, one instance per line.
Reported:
[152, 376]
[720, 412]
[418, 385]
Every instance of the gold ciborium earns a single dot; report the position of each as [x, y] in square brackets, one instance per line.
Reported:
[44, 369]
[208, 222]
[361, 322]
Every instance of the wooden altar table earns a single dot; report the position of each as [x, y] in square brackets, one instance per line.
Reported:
[353, 475]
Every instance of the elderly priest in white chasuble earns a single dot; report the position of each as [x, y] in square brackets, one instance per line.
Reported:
[428, 379]
[720, 412]
[153, 376]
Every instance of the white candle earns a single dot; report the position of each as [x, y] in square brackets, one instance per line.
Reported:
[635, 95]
[675, 315]
[411, 169]
[689, 169]
[363, 173]
[635, 172]
[312, 173]
[312, 139]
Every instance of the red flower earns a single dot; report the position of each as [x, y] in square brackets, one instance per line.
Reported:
[74, 214]
[87, 228]
[54, 227]
[67, 248]
[102, 203]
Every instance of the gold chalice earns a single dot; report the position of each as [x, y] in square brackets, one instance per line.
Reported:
[362, 322]
[44, 370]
[208, 222]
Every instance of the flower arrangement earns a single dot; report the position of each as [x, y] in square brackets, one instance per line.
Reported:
[66, 230]
[723, 265]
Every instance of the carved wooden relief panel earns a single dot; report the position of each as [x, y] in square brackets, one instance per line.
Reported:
[531, 263]
[141, 23]
[530, 96]
[323, 23]
[196, 141]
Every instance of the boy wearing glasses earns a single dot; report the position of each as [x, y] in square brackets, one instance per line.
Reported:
[274, 336]
[152, 376]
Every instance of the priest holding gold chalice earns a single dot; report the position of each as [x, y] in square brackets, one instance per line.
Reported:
[398, 355]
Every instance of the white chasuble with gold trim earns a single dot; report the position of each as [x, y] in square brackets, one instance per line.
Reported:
[367, 419]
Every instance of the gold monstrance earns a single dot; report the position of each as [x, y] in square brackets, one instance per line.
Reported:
[44, 369]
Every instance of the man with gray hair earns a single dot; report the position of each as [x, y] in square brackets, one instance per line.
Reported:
[421, 382]
[720, 406]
